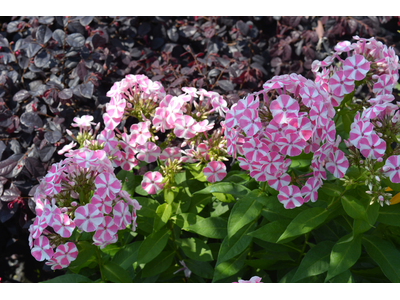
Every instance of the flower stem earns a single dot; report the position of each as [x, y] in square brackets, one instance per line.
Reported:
[100, 262]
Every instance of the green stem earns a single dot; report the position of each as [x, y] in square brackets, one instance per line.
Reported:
[304, 246]
[334, 202]
[100, 262]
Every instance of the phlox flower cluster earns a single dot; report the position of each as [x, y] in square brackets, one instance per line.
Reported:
[190, 136]
[294, 115]
[80, 193]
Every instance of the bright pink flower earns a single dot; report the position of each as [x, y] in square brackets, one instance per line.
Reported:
[272, 162]
[102, 202]
[140, 133]
[384, 85]
[171, 153]
[231, 118]
[108, 138]
[64, 255]
[340, 84]
[338, 164]
[310, 190]
[215, 171]
[291, 144]
[111, 122]
[344, 46]
[372, 146]
[284, 108]
[253, 147]
[107, 184]
[356, 67]
[203, 126]
[42, 249]
[309, 95]
[148, 152]
[290, 196]
[88, 217]
[152, 182]
[278, 180]
[184, 127]
[319, 114]
[63, 225]
[392, 168]
[122, 215]
[107, 229]
[301, 126]
[38, 226]
[330, 129]
[359, 130]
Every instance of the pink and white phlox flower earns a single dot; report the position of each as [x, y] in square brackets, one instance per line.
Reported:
[63, 225]
[254, 279]
[253, 147]
[111, 122]
[215, 171]
[107, 184]
[338, 163]
[66, 148]
[65, 254]
[310, 190]
[149, 152]
[291, 144]
[88, 217]
[384, 85]
[38, 226]
[250, 122]
[84, 122]
[171, 153]
[372, 146]
[107, 229]
[160, 119]
[356, 67]
[122, 215]
[340, 84]
[152, 182]
[284, 108]
[319, 114]
[278, 180]
[359, 130]
[290, 196]
[107, 137]
[41, 249]
[184, 127]
[301, 125]
[391, 168]
[102, 202]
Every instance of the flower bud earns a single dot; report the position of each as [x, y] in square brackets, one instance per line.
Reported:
[379, 159]
[74, 203]
[379, 124]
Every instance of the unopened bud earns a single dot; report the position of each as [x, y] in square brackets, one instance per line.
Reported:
[379, 159]
[377, 178]
[369, 192]
[64, 209]
[379, 124]
[361, 161]
[380, 198]
[379, 134]
[74, 203]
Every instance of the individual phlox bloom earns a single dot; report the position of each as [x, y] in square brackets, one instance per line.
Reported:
[271, 140]
[152, 182]
[384, 85]
[66, 148]
[232, 116]
[52, 188]
[272, 85]
[344, 46]
[215, 171]
[310, 190]
[41, 249]
[318, 169]
[203, 150]
[50, 211]
[65, 254]
[275, 127]
[359, 130]
[115, 89]
[38, 226]
[55, 172]
[319, 114]
[83, 122]
[111, 122]
[133, 202]
[191, 91]
[283, 108]
[356, 67]
[278, 180]
[248, 103]
[272, 162]
[63, 225]
[171, 153]
[330, 129]
[254, 279]
[391, 168]
[102, 202]
[340, 84]
[244, 163]
[127, 160]
[253, 147]
[372, 146]
[107, 185]
[184, 127]
[335, 100]
[203, 126]
[250, 122]
[160, 119]
[107, 137]
[39, 207]
[290, 196]
[309, 95]
[301, 126]
[219, 104]
[373, 111]
[107, 229]
[257, 173]
[101, 243]
[88, 217]
[148, 152]
[291, 144]
[338, 164]
[122, 215]
[85, 158]
[381, 99]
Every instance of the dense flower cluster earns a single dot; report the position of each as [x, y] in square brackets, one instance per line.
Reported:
[297, 115]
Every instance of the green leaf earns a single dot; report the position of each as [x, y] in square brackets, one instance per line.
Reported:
[196, 171]
[226, 198]
[226, 188]
[86, 255]
[198, 202]
[315, 262]
[196, 249]
[236, 244]
[385, 255]
[213, 227]
[393, 186]
[390, 215]
[69, 278]
[200, 268]
[245, 211]
[305, 222]
[127, 255]
[129, 181]
[230, 267]
[344, 277]
[115, 273]
[163, 213]
[360, 226]
[149, 207]
[274, 211]
[331, 189]
[139, 190]
[359, 208]
[345, 254]
[111, 249]
[159, 264]
[272, 231]
[153, 245]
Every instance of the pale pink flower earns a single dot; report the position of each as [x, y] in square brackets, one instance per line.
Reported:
[250, 122]
[107, 137]
[38, 226]
[83, 122]
[88, 217]
[254, 279]
[291, 144]
[310, 190]
[359, 130]
[185, 269]
[184, 127]
[122, 215]
[340, 84]
[64, 255]
[66, 148]
[107, 229]
[102, 202]
[140, 133]
[152, 182]
[171, 153]
[215, 171]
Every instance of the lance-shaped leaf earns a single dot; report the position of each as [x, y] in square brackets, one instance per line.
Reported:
[390, 215]
[159, 264]
[196, 249]
[344, 255]
[163, 213]
[305, 222]
[385, 255]
[115, 273]
[229, 267]
[126, 256]
[226, 188]
[153, 245]
[272, 231]
[213, 227]
[315, 262]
